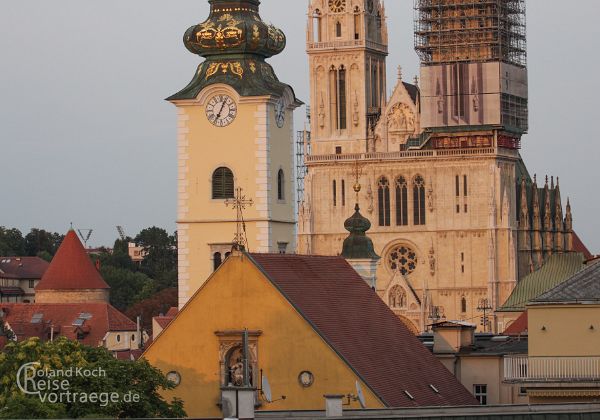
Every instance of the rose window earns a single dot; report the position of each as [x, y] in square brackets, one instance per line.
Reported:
[402, 259]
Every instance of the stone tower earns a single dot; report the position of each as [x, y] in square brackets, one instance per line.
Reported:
[347, 50]
[235, 131]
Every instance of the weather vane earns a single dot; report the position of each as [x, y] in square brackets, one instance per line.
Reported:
[239, 203]
[357, 171]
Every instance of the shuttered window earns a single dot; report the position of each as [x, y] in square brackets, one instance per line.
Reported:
[222, 184]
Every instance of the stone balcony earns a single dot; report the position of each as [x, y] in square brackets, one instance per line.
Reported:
[411, 154]
[355, 43]
[551, 369]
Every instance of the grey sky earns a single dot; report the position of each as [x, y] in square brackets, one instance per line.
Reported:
[85, 135]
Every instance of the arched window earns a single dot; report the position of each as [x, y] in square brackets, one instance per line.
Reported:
[341, 89]
[334, 193]
[384, 201]
[338, 29]
[463, 305]
[317, 26]
[217, 260]
[397, 297]
[356, 23]
[401, 202]
[419, 200]
[343, 192]
[222, 184]
[280, 185]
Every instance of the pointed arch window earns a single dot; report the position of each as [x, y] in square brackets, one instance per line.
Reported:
[317, 26]
[356, 23]
[222, 184]
[338, 29]
[343, 192]
[384, 201]
[419, 200]
[342, 98]
[401, 202]
[280, 185]
[463, 305]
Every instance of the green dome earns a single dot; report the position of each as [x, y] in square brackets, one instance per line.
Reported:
[358, 245]
[235, 42]
[234, 27]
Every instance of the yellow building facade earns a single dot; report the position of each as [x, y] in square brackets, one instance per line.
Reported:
[282, 343]
[235, 131]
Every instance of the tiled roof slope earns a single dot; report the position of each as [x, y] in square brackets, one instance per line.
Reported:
[358, 325]
[71, 268]
[557, 269]
[582, 287]
[519, 326]
[22, 268]
[101, 318]
[579, 246]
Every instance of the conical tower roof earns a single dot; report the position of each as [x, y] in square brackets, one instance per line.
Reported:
[71, 269]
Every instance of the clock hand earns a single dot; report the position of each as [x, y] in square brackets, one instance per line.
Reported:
[221, 110]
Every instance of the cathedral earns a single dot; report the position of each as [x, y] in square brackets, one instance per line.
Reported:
[433, 171]
[457, 219]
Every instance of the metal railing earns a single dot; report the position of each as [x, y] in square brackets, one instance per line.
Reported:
[551, 369]
[345, 44]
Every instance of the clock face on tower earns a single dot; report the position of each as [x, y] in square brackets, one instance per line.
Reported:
[221, 110]
[337, 6]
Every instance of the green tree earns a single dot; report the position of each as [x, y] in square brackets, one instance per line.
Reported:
[127, 287]
[12, 243]
[122, 378]
[160, 249]
[38, 241]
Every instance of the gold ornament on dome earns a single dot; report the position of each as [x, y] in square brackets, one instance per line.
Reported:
[234, 68]
[337, 6]
[222, 37]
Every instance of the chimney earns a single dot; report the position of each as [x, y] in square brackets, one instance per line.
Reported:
[334, 405]
[452, 336]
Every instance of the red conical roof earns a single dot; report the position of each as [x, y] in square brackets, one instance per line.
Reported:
[71, 269]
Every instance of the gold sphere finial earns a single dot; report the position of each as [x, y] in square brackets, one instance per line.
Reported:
[357, 188]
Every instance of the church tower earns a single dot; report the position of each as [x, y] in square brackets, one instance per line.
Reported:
[235, 131]
[347, 49]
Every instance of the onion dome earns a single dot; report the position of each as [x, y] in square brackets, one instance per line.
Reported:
[234, 27]
[358, 245]
[235, 42]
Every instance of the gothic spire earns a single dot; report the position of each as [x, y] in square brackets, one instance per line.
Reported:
[559, 241]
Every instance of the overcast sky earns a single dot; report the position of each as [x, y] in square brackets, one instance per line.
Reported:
[86, 137]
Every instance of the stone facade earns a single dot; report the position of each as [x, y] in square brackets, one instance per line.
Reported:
[441, 192]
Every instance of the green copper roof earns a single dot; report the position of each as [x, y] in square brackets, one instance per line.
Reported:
[556, 270]
[358, 246]
[235, 42]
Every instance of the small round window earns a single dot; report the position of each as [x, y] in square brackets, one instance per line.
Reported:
[403, 259]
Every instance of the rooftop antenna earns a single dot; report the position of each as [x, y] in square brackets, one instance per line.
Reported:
[121, 232]
[85, 235]
[239, 203]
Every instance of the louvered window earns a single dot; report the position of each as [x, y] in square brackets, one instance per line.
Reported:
[222, 184]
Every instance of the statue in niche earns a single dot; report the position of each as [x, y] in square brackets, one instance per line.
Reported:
[322, 113]
[235, 368]
[397, 297]
[370, 209]
[432, 261]
[355, 116]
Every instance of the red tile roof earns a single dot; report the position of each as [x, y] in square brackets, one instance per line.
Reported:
[518, 327]
[172, 312]
[364, 332]
[100, 319]
[22, 268]
[71, 268]
[163, 321]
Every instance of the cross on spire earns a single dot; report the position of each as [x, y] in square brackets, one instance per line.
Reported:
[239, 203]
